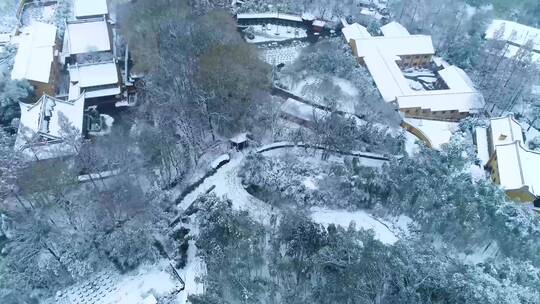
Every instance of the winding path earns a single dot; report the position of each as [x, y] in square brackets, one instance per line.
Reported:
[225, 181]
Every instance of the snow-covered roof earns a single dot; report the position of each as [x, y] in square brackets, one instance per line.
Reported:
[514, 32]
[443, 101]
[518, 167]
[482, 146]
[400, 46]
[319, 23]
[355, 31]
[308, 16]
[386, 74]
[90, 8]
[460, 95]
[439, 62]
[288, 17]
[45, 118]
[35, 53]
[240, 138]
[381, 56]
[91, 75]
[505, 130]
[102, 92]
[394, 29]
[96, 80]
[456, 79]
[87, 37]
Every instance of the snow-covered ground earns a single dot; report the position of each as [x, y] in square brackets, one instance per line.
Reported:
[112, 288]
[530, 133]
[314, 157]
[8, 15]
[481, 254]
[415, 85]
[415, 78]
[285, 54]
[274, 32]
[438, 132]
[227, 183]
[157, 280]
[41, 13]
[191, 274]
[386, 232]
[310, 89]
[299, 87]
[411, 143]
[477, 172]
[413, 72]
[346, 86]
[107, 124]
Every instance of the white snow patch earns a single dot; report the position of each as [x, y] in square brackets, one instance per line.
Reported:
[309, 88]
[481, 254]
[221, 159]
[274, 32]
[346, 86]
[411, 144]
[282, 55]
[370, 162]
[530, 133]
[274, 145]
[97, 176]
[227, 183]
[191, 274]
[361, 218]
[477, 172]
[438, 132]
[298, 88]
[310, 184]
[401, 224]
[131, 288]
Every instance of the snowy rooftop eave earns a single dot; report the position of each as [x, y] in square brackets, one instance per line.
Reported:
[46, 118]
[394, 29]
[89, 8]
[398, 46]
[91, 75]
[505, 130]
[518, 167]
[34, 57]
[355, 31]
[443, 100]
[87, 37]
[276, 15]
